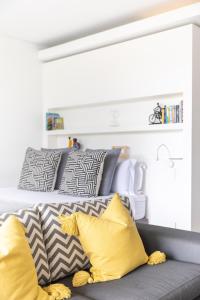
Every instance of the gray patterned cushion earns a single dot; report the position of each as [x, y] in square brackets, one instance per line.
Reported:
[31, 221]
[63, 161]
[110, 164]
[39, 170]
[82, 174]
[65, 254]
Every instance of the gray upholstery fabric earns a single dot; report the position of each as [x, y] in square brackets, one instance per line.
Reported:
[169, 281]
[178, 244]
[65, 153]
[110, 164]
[80, 297]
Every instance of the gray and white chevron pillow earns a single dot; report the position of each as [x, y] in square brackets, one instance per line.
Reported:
[31, 221]
[83, 173]
[65, 253]
[39, 170]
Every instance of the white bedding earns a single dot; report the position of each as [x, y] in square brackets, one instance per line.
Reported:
[12, 199]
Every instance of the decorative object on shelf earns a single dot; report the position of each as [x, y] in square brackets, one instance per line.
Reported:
[167, 114]
[54, 121]
[156, 117]
[124, 154]
[114, 120]
[69, 142]
[75, 144]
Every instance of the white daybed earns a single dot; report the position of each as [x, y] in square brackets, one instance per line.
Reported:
[12, 199]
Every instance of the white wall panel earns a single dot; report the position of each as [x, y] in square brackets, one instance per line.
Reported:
[20, 106]
[154, 65]
[147, 66]
[196, 131]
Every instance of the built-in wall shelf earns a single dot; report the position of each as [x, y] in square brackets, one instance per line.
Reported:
[112, 130]
[116, 116]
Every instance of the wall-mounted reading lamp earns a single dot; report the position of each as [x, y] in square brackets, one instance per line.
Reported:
[171, 159]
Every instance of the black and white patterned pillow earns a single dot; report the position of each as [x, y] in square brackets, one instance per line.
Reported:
[83, 173]
[65, 253]
[39, 170]
[31, 220]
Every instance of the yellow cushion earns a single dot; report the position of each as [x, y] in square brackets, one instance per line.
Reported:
[18, 279]
[111, 241]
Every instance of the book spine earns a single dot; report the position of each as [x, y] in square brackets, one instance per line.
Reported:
[163, 115]
[168, 114]
[181, 106]
[173, 113]
[49, 121]
[165, 112]
[55, 116]
[176, 112]
[47, 127]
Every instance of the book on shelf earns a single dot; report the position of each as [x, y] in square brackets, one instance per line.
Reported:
[181, 111]
[172, 114]
[54, 121]
[58, 123]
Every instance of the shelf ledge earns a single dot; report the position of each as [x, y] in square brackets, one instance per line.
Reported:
[113, 130]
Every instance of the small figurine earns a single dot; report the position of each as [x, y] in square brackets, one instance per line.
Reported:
[75, 144]
[156, 117]
[69, 142]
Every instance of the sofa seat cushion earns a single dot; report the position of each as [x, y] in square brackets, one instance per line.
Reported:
[77, 296]
[169, 281]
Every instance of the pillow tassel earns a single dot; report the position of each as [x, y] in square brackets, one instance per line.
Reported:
[69, 224]
[81, 278]
[156, 258]
[58, 291]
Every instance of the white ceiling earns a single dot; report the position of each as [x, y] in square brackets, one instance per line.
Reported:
[50, 22]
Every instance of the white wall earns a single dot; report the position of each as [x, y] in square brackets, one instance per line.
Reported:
[146, 66]
[152, 65]
[20, 106]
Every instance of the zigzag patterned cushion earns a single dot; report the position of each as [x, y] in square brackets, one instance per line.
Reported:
[39, 170]
[82, 173]
[31, 221]
[65, 254]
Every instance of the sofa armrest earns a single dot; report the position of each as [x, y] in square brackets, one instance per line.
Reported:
[177, 244]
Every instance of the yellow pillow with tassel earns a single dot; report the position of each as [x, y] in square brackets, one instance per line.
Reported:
[156, 258]
[111, 242]
[18, 278]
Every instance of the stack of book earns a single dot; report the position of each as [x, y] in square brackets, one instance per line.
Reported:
[172, 114]
[54, 121]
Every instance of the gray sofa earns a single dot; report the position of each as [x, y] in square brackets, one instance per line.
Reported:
[177, 279]
[54, 256]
